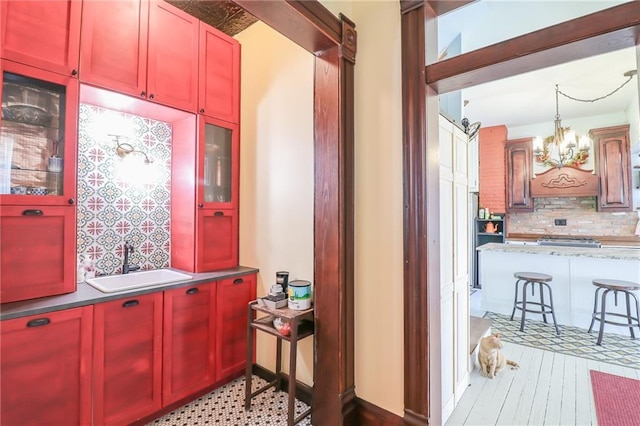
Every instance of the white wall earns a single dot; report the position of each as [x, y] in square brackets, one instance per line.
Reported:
[276, 171]
[276, 221]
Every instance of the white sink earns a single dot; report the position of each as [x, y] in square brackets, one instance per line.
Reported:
[113, 283]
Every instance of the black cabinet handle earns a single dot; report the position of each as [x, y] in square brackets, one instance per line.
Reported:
[151, 96]
[201, 110]
[218, 214]
[143, 94]
[74, 72]
[200, 205]
[38, 322]
[130, 303]
[192, 291]
[71, 201]
[238, 281]
[32, 213]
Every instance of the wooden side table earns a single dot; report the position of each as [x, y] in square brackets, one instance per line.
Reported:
[301, 327]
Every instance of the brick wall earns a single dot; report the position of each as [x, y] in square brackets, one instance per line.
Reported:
[492, 167]
[580, 213]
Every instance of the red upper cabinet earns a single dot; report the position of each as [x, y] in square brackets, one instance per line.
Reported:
[172, 65]
[127, 361]
[39, 128]
[219, 88]
[43, 34]
[38, 256]
[46, 369]
[189, 341]
[217, 240]
[234, 294]
[114, 45]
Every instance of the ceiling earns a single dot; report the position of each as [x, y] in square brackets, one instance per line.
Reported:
[221, 14]
[530, 98]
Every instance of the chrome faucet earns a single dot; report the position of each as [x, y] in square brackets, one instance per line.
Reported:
[126, 266]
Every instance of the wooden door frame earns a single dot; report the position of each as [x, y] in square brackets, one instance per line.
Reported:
[333, 42]
[611, 29]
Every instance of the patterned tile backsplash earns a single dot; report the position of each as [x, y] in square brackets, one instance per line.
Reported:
[123, 199]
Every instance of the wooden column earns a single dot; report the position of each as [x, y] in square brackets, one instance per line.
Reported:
[422, 378]
[334, 393]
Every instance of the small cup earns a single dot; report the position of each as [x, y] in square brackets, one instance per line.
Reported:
[19, 190]
[55, 164]
[38, 190]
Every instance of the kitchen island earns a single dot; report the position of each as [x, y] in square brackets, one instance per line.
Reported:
[572, 268]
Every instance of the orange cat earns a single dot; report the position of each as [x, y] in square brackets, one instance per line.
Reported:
[490, 356]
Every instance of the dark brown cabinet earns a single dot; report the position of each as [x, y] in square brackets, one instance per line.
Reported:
[518, 184]
[614, 168]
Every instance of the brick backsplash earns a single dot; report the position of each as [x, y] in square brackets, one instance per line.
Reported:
[581, 215]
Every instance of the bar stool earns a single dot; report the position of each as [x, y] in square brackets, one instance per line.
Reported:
[533, 278]
[607, 286]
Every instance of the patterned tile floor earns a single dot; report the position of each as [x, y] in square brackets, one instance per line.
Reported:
[225, 407]
[616, 348]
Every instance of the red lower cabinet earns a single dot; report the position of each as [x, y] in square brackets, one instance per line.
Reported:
[234, 294]
[45, 362]
[127, 366]
[217, 242]
[189, 341]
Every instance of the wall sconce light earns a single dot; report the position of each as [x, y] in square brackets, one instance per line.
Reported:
[123, 149]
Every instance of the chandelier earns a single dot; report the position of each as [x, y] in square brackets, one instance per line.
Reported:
[564, 148]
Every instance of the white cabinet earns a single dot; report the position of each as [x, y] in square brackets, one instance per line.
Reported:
[454, 264]
[474, 163]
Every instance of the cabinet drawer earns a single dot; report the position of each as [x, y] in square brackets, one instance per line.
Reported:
[217, 246]
[38, 252]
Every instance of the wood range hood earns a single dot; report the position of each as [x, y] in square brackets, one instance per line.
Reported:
[565, 181]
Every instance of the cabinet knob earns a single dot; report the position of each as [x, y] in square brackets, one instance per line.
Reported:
[143, 94]
[71, 201]
[38, 322]
[32, 213]
[238, 281]
[130, 303]
[74, 72]
[201, 110]
[192, 291]
[218, 214]
[200, 205]
[151, 96]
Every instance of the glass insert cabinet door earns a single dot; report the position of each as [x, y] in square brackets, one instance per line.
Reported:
[37, 136]
[219, 158]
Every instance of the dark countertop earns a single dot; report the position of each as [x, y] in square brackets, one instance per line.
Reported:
[87, 295]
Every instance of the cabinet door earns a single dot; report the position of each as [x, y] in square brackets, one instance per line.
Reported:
[127, 366]
[218, 163]
[189, 341]
[115, 59]
[172, 65]
[217, 244]
[614, 168]
[519, 176]
[38, 253]
[43, 34]
[234, 294]
[38, 137]
[46, 369]
[219, 86]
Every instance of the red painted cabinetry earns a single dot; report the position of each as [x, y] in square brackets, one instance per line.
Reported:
[127, 365]
[219, 75]
[46, 369]
[43, 34]
[189, 341]
[205, 223]
[153, 54]
[234, 294]
[37, 193]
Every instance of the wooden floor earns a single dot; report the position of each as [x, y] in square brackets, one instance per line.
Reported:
[549, 389]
